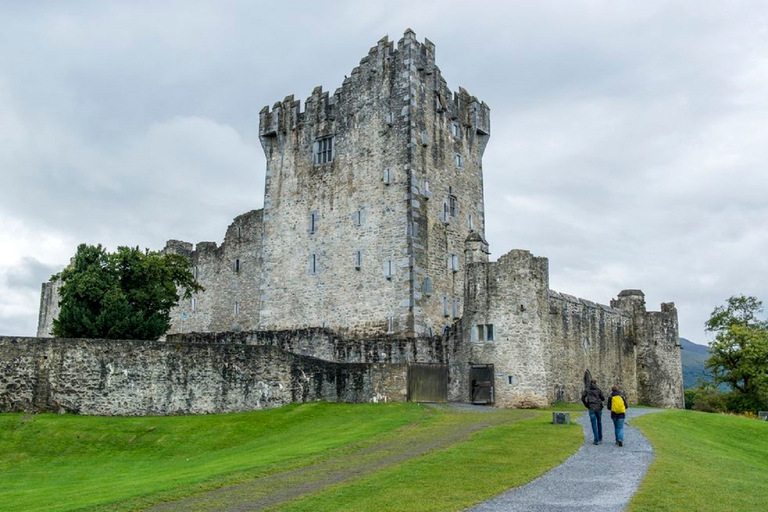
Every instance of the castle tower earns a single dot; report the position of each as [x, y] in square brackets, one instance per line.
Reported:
[370, 195]
[658, 358]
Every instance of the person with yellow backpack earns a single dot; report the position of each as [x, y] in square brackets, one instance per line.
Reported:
[617, 404]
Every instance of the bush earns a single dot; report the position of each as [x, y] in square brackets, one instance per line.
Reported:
[707, 399]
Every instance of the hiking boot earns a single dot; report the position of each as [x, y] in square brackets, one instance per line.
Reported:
[620, 443]
[596, 443]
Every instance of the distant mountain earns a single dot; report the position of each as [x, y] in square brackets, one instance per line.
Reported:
[693, 356]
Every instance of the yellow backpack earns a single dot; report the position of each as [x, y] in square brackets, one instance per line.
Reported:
[618, 406]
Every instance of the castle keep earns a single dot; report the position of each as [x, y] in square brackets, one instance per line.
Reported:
[365, 277]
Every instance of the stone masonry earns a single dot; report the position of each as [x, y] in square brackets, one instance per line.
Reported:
[371, 249]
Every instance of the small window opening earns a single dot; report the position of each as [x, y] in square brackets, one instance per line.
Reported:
[458, 160]
[236, 265]
[323, 151]
[389, 269]
[451, 202]
[358, 259]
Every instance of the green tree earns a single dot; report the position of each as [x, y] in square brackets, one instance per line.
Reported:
[739, 354]
[123, 295]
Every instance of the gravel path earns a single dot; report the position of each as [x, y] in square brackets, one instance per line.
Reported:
[597, 478]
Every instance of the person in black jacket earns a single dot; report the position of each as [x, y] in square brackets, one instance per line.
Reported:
[617, 417]
[593, 399]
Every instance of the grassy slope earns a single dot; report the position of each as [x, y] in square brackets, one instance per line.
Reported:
[491, 462]
[704, 462]
[50, 462]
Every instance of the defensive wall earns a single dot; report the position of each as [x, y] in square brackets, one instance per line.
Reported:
[544, 342]
[126, 377]
[369, 250]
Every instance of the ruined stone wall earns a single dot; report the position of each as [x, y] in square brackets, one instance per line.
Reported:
[327, 345]
[659, 366]
[586, 336]
[118, 377]
[512, 296]
[230, 275]
[323, 343]
[49, 308]
[660, 381]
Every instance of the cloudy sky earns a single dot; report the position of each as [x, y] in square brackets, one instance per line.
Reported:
[629, 139]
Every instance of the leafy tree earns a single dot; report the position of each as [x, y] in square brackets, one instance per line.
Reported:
[123, 295]
[739, 354]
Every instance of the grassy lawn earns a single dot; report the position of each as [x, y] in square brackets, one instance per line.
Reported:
[51, 462]
[704, 462]
[492, 461]
[70, 462]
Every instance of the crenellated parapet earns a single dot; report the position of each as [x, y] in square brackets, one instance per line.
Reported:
[407, 68]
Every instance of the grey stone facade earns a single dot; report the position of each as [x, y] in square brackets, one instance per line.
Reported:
[370, 249]
[125, 377]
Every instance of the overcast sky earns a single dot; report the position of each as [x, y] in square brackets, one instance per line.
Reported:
[629, 140]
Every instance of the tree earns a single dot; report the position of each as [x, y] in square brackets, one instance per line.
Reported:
[123, 295]
[739, 354]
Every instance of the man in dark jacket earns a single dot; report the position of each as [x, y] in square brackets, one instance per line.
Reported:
[593, 399]
[617, 417]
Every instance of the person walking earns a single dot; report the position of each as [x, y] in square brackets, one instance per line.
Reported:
[593, 399]
[617, 404]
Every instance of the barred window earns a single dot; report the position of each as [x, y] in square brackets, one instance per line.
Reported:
[323, 150]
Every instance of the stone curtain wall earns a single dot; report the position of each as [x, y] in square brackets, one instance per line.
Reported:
[143, 378]
[594, 337]
[544, 341]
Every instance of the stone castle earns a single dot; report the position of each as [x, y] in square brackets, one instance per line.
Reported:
[370, 250]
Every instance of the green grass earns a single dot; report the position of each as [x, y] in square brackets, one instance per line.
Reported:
[704, 462]
[489, 463]
[51, 462]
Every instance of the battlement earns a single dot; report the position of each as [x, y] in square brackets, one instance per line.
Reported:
[410, 62]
